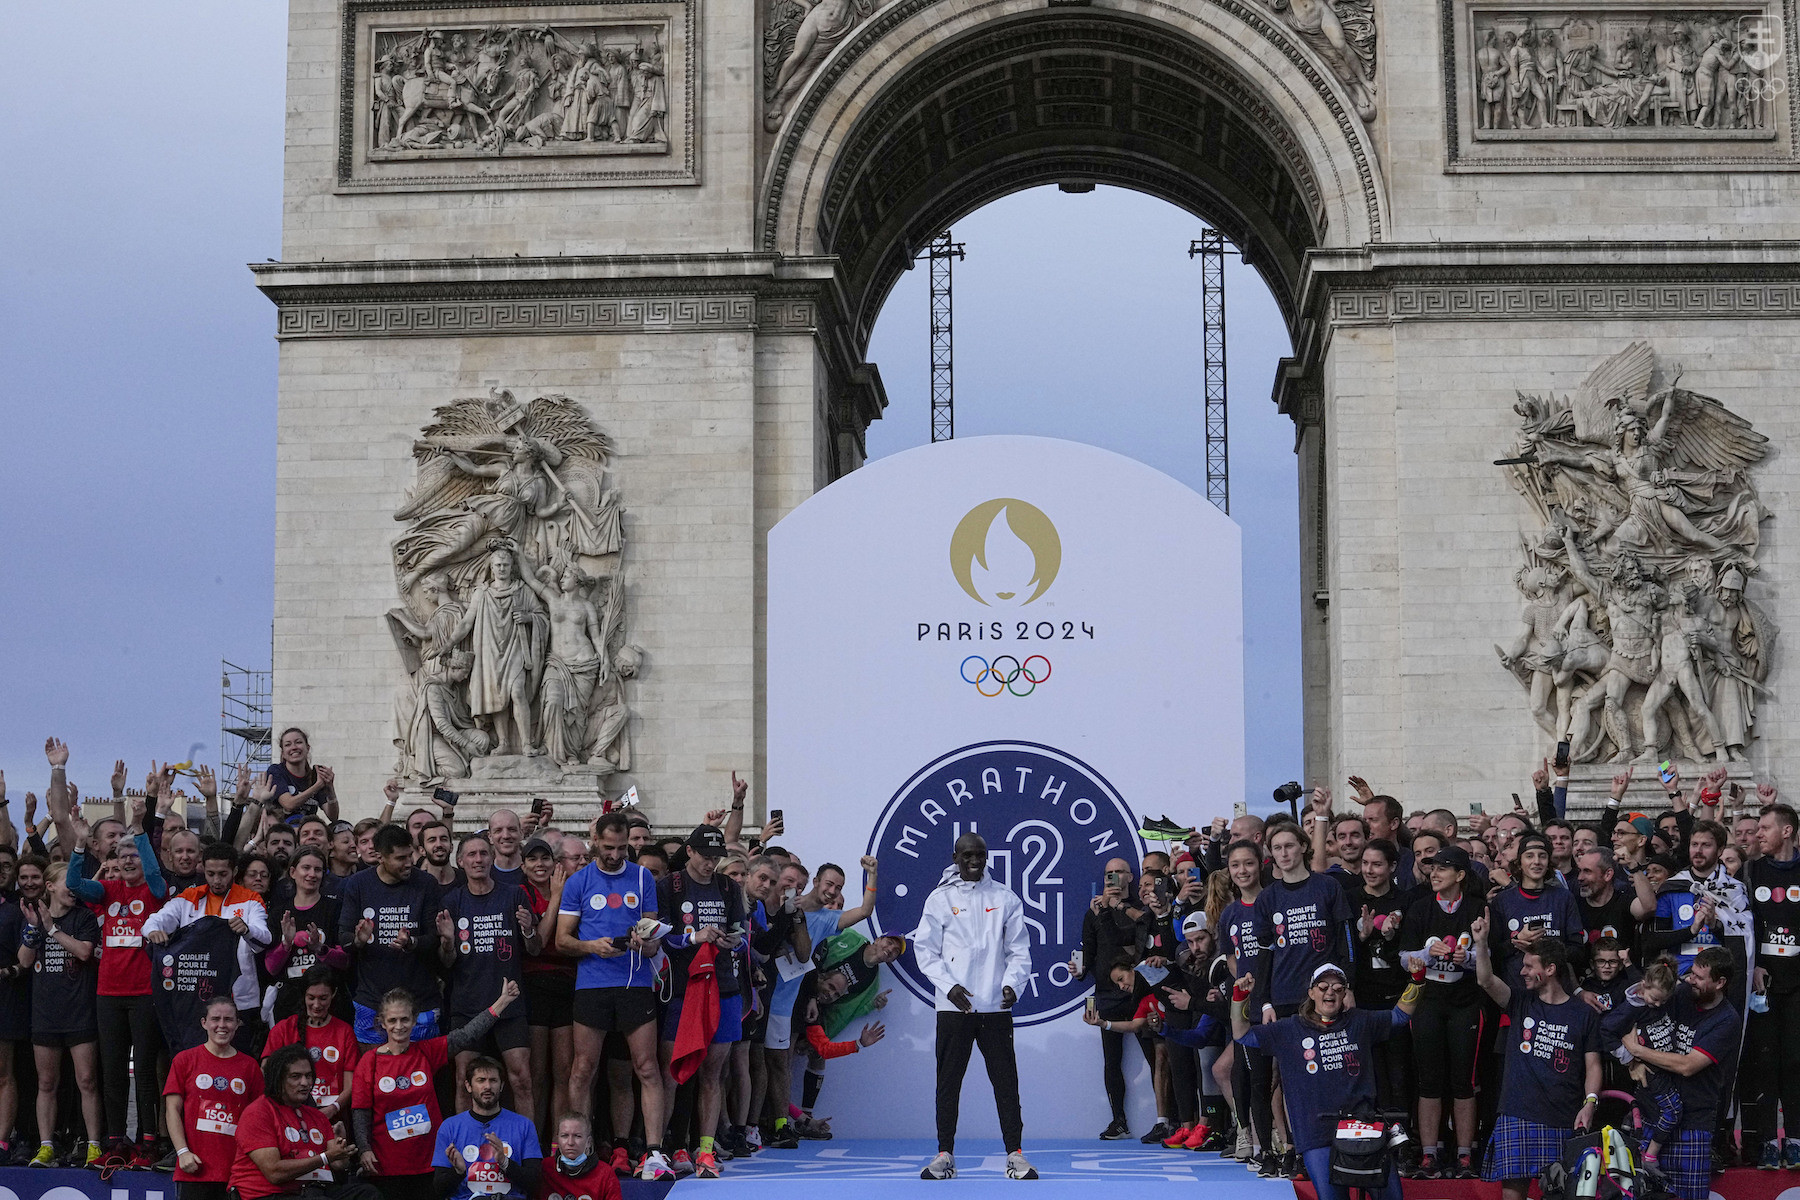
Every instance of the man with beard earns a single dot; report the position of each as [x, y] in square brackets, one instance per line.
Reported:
[434, 853]
[486, 1150]
[1707, 1024]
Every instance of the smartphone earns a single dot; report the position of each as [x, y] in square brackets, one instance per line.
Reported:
[1115, 879]
[1561, 761]
[1666, 770]
[775, 814]
[1517, 803]
[1193, 873]
[1241, 809]
[445, 797]
[1161, 888]
[1476, 808]
[1537, 923]
[1093, 1007]
[537, 806]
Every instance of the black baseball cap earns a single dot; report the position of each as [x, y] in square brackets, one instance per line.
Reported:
[708, 841]
[538, 845]
[1454, 857]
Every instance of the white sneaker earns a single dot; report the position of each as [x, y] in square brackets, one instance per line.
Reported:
[655, 1167]
[1018, 1168]
[944, 1166]
[1245, 1150]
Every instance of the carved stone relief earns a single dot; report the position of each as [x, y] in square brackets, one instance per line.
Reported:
[512, 617]
[1342, 34]
[1609, 73]
[545, 89]
[1637, 639]
[598, 92]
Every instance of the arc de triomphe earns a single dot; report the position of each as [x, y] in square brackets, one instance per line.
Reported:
[574, 297]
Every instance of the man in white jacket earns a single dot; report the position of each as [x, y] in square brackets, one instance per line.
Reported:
[972, 944]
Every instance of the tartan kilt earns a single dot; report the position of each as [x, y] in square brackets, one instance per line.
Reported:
[1520, 1149]
[1687, 1161]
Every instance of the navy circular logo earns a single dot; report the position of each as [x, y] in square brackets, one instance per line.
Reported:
[1051, 822]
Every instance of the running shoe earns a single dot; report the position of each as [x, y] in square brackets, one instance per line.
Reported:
[1429, 1167]
[751, 1136]
[1018, 1168]
[814, 1129]
[1176, 1138]
[46, 1157]
[1270, 1166]
[1290, 1164]
[654, 1167]
[1115, 1131]
[722, 1150]
[144, 1155]
[1197, 1138]
[93, 1156]
[1771, 1157]
[1465, 1165]
[784, 1138]
[682, 1164]
[621, 1162]
[1244, 1150]
[706, 1166]
[1790, 1155]
[942, 1167]
[1158, 1132]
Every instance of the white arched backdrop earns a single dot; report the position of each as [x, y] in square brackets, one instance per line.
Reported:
[1035, 639]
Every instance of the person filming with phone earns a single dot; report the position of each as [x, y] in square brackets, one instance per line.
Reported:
[1108, 929]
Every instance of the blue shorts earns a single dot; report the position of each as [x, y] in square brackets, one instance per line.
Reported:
[731, 1020]
[370, 1033]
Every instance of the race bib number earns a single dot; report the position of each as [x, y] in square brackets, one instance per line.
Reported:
[324, 1093]
[217, 1121]
[1358, 1131]
[124, 939]
[487, 1179]
[322, 1174]
[410, 1122]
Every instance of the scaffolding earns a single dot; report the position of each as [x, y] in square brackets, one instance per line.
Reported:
[942, 251]
[246, 713]
[1210, 248]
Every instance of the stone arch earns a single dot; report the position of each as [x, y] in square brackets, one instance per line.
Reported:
[928, 111]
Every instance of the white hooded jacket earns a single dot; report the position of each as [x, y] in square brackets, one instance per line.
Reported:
[973, 934]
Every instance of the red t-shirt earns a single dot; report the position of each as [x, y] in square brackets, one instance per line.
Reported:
[296, 1132]
[333, 1049]
[598, 1184]
[398, 1089]
[124, 967]
[214, 1093]
[546, 960]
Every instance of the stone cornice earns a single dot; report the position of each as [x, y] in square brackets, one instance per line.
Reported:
[1384, 284]
[517, 296]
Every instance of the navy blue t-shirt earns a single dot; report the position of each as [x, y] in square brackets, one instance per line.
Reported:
[1324, 1070]
[1714, 1032]
[489, 947]
[1237, 934]
[1546, 1059]
[1302, 927]
[1511, 910]
[410, 905]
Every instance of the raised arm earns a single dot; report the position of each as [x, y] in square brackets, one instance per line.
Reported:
[1490, 983]
[850, 916]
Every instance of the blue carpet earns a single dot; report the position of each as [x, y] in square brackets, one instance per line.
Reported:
[1067, 1169]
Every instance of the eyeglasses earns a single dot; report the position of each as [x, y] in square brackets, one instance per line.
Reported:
[1330, 988]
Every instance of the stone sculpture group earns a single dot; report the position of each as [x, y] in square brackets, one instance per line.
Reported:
[589, 89]
[1637, 639]
[512, 622]
[1644, 71]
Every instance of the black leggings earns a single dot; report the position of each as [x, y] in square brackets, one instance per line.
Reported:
[1394, 1083]
[1444, 1038]
[1774, 1038]
[1253, 1090]
[1112, 1050]
[129, 1032]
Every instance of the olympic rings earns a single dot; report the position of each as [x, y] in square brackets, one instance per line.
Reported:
[1004, 678]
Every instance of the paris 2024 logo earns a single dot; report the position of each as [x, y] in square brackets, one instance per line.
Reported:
[1051, 822]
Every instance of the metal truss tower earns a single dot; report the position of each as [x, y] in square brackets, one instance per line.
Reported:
[1210, 248]
[942, 251]
[245, 716]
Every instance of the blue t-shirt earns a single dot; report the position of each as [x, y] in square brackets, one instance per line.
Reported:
[1509, 911]
[468, 1133]
[489, 947]
[1546, 1059]
[1302, 926]
[821, 926]
[1715, 1032]
[609, 905]
[1237, 934]
[1324, 1071]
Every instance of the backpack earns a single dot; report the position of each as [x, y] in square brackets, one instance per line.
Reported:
[1359, 1150]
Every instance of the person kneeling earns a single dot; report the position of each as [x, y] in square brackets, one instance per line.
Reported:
[285, 1145]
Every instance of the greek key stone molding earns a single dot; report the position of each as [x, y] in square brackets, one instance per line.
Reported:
[465, 318]
[1533, 301]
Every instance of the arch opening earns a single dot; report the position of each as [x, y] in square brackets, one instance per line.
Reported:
[1060, 95]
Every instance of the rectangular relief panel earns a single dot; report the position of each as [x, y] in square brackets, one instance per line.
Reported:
[1579, 87]
[440, 96]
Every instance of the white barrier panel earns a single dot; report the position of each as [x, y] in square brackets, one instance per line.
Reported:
[1034, 639]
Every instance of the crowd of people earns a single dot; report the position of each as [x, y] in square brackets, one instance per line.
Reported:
[1490, 984]
[275, 1000]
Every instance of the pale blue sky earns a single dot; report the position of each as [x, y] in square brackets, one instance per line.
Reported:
[137, 467]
